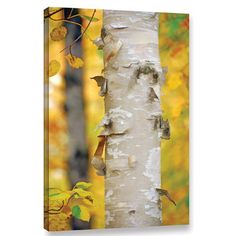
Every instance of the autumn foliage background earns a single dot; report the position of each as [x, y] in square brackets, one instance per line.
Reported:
[174, 52]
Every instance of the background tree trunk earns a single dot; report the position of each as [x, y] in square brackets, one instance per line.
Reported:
[74, 106]
[133, 115]
[78, 161]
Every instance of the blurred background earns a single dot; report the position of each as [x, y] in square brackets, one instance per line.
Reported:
[73, 109]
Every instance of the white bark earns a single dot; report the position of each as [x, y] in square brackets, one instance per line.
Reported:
[132, 121]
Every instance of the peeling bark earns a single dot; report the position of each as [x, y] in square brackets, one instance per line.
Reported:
[132, 103]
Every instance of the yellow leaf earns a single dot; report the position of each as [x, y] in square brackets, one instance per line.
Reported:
[83, 194]
[84, 215]
[81, 201]
[54, 67]
[64, 196]
[74, 61]
[58, 33]
[84, 209]
[83, 185]
[87, 202]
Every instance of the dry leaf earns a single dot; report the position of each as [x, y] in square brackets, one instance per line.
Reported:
[101, 82]
[54, 67]
[97, 161]
[99, 165]
[165, 128]
[100, 146]
[58, 33]
[99, 79]
[74, 61]
[163, 192]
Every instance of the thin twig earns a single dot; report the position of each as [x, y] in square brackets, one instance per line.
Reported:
[51, 14]
[71, 17]
[75, 23]
[57, 211]
[61, 19]
[67, 18]
[81, 35]
[82, 27]
[68, 21]
[71, 10]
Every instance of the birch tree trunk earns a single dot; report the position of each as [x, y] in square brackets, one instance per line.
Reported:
[132, 121]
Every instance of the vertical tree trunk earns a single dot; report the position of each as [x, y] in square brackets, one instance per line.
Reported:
[78, 159]
[132, 122]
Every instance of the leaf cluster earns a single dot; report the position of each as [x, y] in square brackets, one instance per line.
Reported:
[59, 33]
[76, 202]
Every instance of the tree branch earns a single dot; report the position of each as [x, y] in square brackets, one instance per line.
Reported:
[57, 211]
[81, 35]
[51, 14]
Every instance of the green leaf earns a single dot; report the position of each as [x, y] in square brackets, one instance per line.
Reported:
[76, 212]
[54, 194]
[83, 185]
[89, 18]
[76, 195]
[64, 196]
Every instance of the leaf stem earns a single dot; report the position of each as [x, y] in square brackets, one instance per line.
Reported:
[74, 23]
[57, 210]
[67, 20]
[71, 10]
